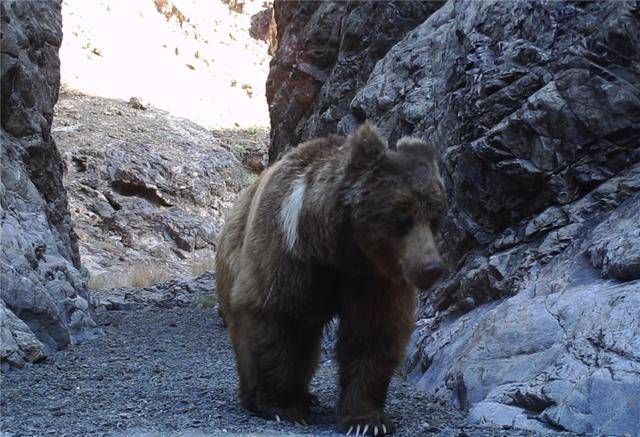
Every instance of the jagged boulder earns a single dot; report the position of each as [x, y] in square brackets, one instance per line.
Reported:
[179, 291]
[45, 303]
[263, 27]
[535, 111]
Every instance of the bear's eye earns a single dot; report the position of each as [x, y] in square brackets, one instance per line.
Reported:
[403, 223]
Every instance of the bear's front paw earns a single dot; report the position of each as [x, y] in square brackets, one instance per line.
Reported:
[375, 425]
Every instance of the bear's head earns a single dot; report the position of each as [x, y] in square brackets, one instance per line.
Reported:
[396, 200]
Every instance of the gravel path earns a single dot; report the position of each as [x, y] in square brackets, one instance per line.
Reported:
[170, 372]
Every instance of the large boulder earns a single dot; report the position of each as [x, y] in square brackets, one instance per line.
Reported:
[534, 109]
[45, 304]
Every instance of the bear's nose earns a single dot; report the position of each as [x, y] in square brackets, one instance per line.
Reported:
[429, 273]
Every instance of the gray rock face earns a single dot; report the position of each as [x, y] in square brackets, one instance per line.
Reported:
[563, 352]
[535, 111]
[45, 300]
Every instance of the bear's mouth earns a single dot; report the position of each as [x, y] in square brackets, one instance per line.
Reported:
[426, 274]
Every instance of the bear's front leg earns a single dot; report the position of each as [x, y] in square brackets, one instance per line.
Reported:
[375, 325]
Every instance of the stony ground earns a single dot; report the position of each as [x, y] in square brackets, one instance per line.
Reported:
[170, 372]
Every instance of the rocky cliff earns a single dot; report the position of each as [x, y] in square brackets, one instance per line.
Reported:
[326, 51]
[534, 108]
[146, 190]
[45, 304]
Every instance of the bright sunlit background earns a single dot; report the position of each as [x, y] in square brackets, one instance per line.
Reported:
[192, 58]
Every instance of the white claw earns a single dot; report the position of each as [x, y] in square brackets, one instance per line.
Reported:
[375, 430]
[358, 431]
[384, 429]
[278, 418]
[350, 429]
[366, 428]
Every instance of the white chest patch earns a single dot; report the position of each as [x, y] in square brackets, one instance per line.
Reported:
[290, 212]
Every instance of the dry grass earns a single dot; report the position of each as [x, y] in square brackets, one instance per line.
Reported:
[238, 141]
[139, 276]
[201, 265]
[146, 275]
[207, 301]
[108, 280]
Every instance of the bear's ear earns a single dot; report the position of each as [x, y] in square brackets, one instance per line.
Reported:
[367, 146]
[416, 146]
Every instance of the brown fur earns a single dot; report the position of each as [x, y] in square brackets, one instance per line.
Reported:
[364, 241]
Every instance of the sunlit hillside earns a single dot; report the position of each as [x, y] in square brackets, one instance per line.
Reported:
[192, 58]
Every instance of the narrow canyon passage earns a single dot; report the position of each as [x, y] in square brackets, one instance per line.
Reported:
[170, 372]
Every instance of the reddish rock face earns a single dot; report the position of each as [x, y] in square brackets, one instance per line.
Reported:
[326, 51]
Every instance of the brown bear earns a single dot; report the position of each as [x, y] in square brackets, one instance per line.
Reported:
[337, 227]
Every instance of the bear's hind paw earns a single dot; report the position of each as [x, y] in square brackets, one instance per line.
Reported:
[294, 414]
[300, 421]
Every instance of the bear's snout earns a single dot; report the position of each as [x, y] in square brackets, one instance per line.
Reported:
[425, 274]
